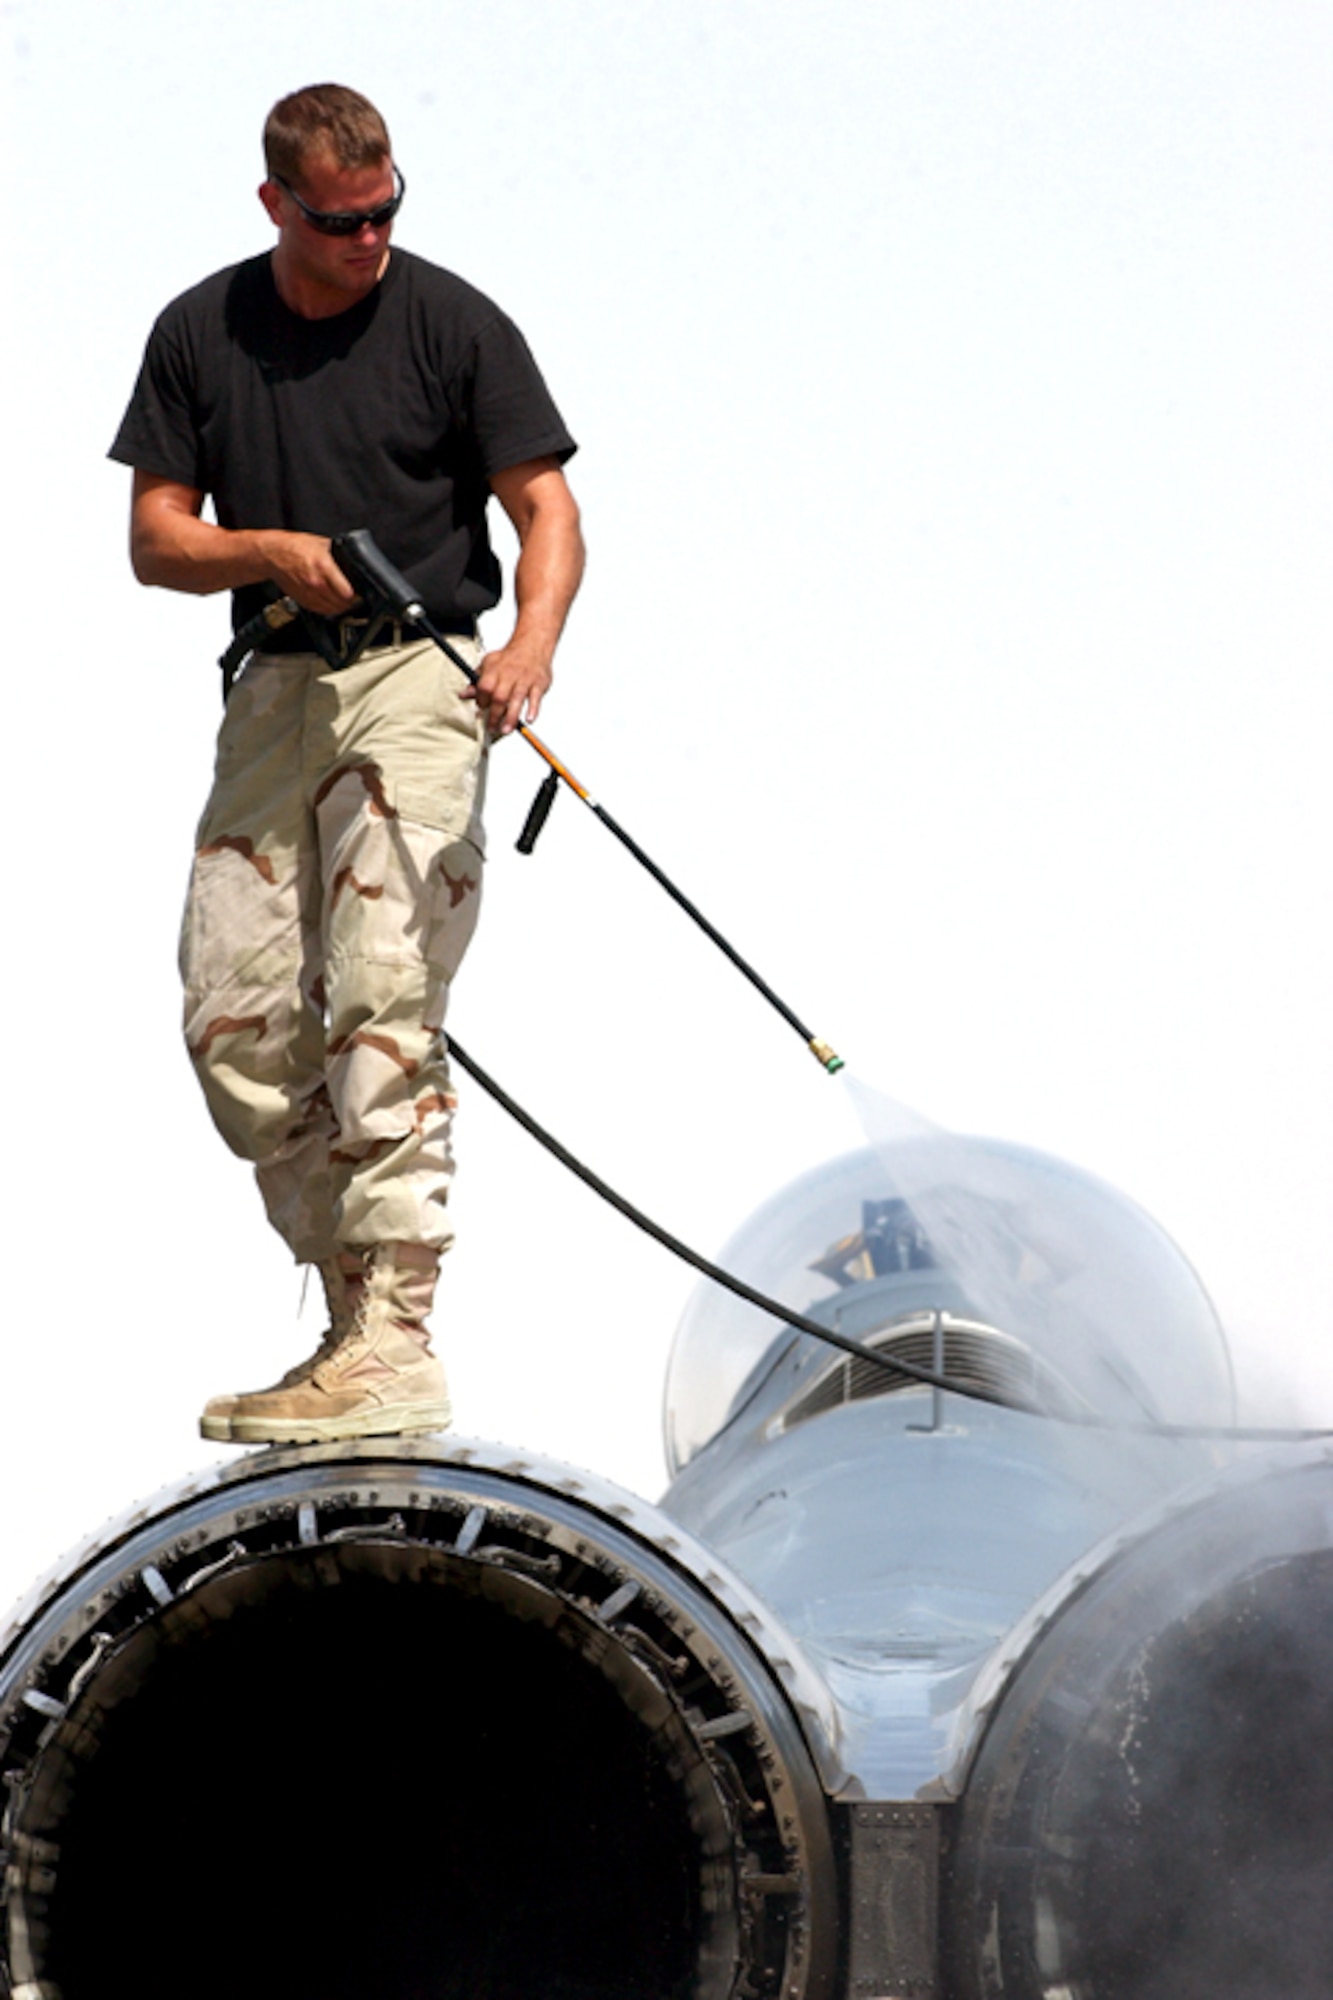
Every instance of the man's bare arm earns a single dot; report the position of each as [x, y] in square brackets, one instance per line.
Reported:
[548, 573]
[170, 545]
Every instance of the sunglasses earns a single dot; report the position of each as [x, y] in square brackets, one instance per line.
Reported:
[348, 221]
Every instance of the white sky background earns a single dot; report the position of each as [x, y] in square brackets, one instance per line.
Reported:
[952, 379]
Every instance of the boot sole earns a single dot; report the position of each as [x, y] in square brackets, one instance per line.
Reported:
[391, 1421]
[217, 1429]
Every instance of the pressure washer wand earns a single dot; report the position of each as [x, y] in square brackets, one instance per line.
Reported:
[366, 566]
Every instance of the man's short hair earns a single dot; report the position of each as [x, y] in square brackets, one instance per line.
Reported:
[323, 118]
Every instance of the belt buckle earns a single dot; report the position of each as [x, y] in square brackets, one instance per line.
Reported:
[348, 629]
[354, 632]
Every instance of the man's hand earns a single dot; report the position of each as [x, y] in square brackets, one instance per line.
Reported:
[510, 685]
[514, 678]
[172, 546]
[303, 567]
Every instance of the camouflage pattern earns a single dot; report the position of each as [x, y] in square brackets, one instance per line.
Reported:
[335, 888]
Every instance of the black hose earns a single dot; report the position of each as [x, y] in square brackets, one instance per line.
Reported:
[271, 618]
[683, 1250]
[799, 1321]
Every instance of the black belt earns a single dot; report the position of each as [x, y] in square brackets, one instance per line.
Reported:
[281, 628]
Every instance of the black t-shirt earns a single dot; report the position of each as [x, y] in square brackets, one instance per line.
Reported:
[390, 416]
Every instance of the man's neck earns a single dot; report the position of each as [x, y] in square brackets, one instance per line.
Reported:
[310, 297]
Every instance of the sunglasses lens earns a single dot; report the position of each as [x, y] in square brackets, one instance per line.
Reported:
[348, 225]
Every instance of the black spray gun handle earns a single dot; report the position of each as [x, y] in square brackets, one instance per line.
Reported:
[366, 566]
[384, 590]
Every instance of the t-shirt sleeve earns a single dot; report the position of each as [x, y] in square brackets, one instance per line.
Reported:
[505, 404]
[159, 432]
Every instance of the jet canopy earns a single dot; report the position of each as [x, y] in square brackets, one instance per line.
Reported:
[1042, 1285]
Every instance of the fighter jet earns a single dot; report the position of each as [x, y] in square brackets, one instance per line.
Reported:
[1020, 1689]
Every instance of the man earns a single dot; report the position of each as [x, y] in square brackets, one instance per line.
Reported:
[338, 384]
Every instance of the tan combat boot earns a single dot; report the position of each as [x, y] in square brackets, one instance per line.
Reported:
[340, 1296]
[380, 1379]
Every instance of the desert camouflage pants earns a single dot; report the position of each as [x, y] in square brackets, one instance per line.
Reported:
[335, 887]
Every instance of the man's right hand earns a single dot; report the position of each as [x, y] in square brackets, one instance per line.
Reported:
[172, 546]
[302, 566]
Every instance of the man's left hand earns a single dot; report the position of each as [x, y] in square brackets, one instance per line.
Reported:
[510, 685]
